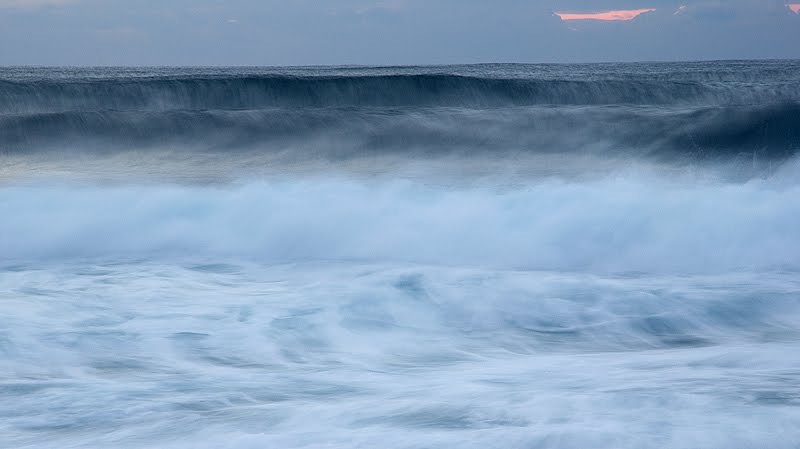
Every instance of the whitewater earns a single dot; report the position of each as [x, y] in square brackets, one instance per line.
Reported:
[499, 255]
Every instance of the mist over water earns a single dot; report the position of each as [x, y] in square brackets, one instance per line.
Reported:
[610, 225]
[473, 256]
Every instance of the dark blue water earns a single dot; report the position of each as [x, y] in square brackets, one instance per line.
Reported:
[511, 256]
[234, 122]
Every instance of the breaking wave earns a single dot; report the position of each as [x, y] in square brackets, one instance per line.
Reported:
[698, 113]
[609, 225]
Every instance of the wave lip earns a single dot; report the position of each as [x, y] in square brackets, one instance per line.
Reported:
[385, 90]
[158, 89]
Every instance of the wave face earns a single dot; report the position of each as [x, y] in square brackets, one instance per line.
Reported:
[507, 256]
[673, 113]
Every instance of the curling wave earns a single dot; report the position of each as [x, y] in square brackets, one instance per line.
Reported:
[255, 92]
[719, 112]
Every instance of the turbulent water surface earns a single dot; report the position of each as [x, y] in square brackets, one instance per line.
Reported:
[509, 256]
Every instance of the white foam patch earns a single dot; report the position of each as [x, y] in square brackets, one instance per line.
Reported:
[615, 224]
[151, 355]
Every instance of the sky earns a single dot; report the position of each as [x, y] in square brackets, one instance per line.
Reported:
[392, 32]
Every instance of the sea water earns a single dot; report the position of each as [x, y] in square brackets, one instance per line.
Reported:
[505, 256]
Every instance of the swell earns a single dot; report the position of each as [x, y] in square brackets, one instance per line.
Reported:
[254, 92]
[666, 134]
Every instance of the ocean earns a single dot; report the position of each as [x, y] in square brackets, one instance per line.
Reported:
[488, 256]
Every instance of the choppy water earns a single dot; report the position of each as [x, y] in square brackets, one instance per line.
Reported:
[481, 256]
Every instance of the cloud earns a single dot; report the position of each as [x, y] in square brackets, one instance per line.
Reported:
[795, 7]
[32, 4]
[624, 15]
[742, 11]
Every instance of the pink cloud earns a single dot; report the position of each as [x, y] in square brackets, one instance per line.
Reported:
[624, 14]
[795, 7]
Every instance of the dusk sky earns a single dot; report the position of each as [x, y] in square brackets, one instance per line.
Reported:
[311, 32]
